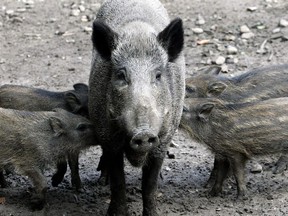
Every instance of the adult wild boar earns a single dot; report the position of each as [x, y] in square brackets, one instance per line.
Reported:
[255, 85]
[238, 132]
[32, 140]
[35, 99]
[136, 91]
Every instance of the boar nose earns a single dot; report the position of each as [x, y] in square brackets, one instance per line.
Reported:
[144, 141]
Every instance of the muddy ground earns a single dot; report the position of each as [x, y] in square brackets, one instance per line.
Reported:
[46, 44]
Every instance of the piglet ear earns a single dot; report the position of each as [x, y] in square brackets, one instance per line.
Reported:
[104, 39]
[56, 126]
[204, 111]
[81, 87]
[216, 89]
[172, 38]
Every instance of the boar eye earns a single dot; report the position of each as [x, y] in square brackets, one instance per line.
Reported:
[121, 74]
[158, 76]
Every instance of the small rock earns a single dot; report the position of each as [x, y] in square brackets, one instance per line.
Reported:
[252, 9]
[2, 61]
[230, 37]
[276, 30]
[224, 68]
[70, 41]
[200, 20]
[87, 29]
[28, 2]
[256, 168]
[82, 8]
[244, 29]
[247, 35]
[1, 24]
[84, 19]
[21, 10]
[232, 50]
[9, 12]
[197, 30]
[220, 60]
[283, 23]
[167, 168]
[75, 12]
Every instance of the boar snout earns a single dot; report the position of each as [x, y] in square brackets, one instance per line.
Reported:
[143, 141]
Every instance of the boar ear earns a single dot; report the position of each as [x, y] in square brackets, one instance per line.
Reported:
[56, 126]
[81, 87]
[214, 70]
[172, 38]
[72, 101]
[104, 39]
[216, 89]
[204, 111]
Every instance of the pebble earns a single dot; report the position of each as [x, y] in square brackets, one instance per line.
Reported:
[28, 2]
[84, 18]
[200, 20]
[283, 23]
[276, 30]
[82, 8]
[256, 168]
[197, 30]
[220, 60]
[21, 10]
[87, 29]
[232, 50]
[2, 61]
[75, 12]
[9, 12]
[244, 29]
[247, 35]
[252, 9]
[230, 37]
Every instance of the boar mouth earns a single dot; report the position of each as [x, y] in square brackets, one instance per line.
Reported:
[137, 159]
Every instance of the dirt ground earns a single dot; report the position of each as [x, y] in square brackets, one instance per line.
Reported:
[46, 44]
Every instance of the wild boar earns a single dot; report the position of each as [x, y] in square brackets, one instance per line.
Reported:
[35, 99]
[237, 132]
[255, 85]
[136, 91]
[31, 140]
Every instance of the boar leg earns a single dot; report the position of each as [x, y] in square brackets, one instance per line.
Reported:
[223, 165]
[102, 166]
[115, 167]
[58, 177]
[150, 175]
[3, 182]
[73, 160]
[38, 198]
[281, 164]
[238, 163]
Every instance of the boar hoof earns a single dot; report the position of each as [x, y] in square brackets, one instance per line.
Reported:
[242, 196]
[57, 178]
[37, 201]
[215, 191]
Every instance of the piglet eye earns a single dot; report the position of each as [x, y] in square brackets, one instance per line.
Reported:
[82, 127]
